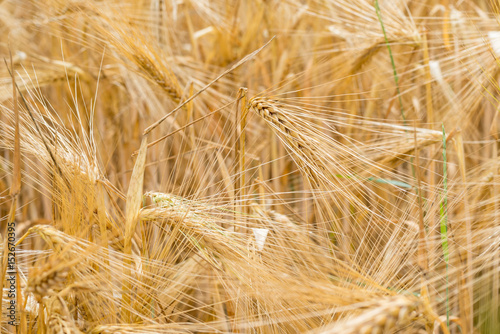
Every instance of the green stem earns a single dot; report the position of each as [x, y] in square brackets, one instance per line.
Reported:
[395, 72]
[444, 226]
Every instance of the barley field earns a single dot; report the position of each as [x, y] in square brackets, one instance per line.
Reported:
[250, 166]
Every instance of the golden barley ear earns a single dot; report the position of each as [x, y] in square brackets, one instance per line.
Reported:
[47, 280]
[59, 319]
